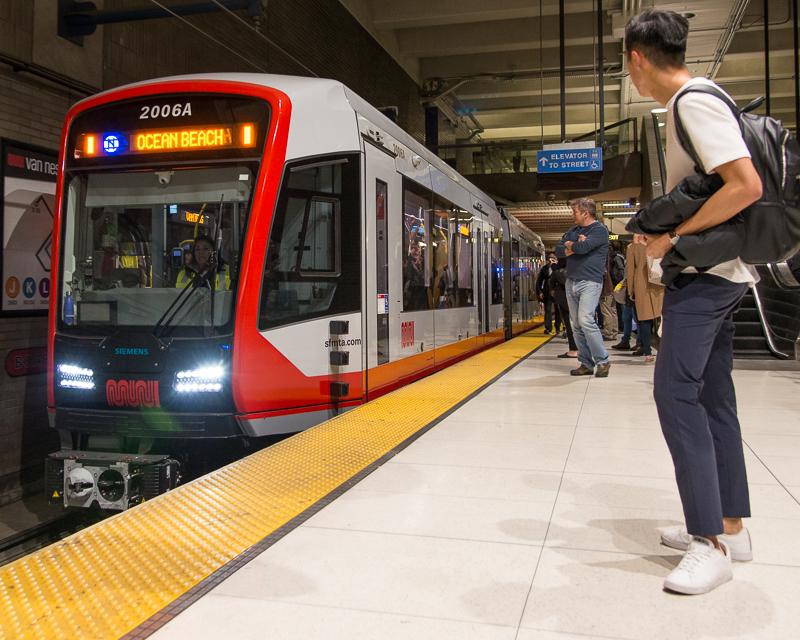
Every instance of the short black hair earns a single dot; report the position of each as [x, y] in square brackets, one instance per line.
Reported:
[660, 36]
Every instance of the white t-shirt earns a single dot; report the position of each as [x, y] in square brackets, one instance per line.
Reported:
[717, 139]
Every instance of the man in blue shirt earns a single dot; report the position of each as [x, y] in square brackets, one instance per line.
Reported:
[586, 248]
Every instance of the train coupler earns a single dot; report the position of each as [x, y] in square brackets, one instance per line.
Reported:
[104, 480]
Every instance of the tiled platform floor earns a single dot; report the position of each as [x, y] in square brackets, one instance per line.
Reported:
[530, 513]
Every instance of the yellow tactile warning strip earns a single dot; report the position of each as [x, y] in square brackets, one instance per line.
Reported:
[132, 573]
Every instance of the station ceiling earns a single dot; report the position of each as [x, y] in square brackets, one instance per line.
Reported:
[499, 62]
[500, 59]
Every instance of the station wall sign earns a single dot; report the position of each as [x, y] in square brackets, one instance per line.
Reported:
[28, 182]
[26, 362]
[569, 160]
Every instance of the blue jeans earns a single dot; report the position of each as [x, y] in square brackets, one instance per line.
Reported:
[627, 321]
[582, 297]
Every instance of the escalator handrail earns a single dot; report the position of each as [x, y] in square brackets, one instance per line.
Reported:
[766, 328]
[783, 276]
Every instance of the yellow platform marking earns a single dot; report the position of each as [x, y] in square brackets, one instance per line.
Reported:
[109, 578]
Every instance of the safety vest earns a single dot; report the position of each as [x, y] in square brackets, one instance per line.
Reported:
[185, 278]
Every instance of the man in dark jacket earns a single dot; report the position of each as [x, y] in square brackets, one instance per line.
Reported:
[543, 293]
[586, 248]
[558, 292]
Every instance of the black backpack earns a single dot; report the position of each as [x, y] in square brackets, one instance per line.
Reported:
[616, 268]
[772, 225]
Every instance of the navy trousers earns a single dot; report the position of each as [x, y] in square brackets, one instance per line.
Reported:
[696, 400]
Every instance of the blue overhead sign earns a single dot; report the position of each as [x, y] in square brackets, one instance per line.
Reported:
[569, 160]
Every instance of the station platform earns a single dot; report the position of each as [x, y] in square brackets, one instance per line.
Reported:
[503, 499]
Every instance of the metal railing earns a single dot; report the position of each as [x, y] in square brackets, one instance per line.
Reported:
[785, 279]
[519, 156]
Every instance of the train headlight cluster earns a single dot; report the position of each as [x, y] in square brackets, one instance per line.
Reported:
[201, 380]
[72, 376]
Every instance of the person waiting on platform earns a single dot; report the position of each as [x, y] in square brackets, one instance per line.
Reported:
[647, 297]
[693, 386]
[585, 246]
[203, 267]
[551, 324]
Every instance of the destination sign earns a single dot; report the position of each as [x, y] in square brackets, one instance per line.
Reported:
[194, 218]
[174, 139]
[569, 160]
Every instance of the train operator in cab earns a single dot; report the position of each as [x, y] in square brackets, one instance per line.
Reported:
[203, 267]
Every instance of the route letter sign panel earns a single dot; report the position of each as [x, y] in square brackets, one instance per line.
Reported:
[569, 160]
[28, 195]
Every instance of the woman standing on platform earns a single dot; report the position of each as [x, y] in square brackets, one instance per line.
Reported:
[647, 297]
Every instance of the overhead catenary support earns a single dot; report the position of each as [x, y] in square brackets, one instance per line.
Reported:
[768, 102]
[562, 66]
[77, 19]
[432, 127]
[796, 66]
[600, 78]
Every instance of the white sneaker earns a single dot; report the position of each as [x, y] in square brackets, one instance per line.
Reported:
[703, 568]
[740, 545]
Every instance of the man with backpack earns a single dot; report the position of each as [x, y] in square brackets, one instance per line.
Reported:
[694, 390]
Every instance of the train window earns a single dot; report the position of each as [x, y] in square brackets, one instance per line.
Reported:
[416, 257]
[134, 240]
[320, 251]
[463, 241]
[451, 242]
[442, 274]
[497, 266]
[314, 254]
[515, 271]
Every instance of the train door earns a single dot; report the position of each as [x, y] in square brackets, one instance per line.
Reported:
[481, 284]
[524, 267]
[487, 277]
[382, 192]
[482, 301]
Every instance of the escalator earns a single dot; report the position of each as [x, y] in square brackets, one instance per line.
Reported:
[750, 340]
[775, 304]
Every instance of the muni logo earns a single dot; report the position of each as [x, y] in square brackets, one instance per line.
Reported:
[131, 351]
[132, 393]
[407, 334]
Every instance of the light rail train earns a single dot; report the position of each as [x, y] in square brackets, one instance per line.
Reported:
[243, 255]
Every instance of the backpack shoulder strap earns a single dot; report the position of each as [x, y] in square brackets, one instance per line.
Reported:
[683, 136]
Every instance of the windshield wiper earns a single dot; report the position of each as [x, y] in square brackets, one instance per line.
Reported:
[177, 304]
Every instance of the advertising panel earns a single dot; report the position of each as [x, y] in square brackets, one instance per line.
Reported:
[28, 179]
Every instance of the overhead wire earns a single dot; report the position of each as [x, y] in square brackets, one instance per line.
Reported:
[594, 66]
[209, 36]
[541, 79]
[266, 39]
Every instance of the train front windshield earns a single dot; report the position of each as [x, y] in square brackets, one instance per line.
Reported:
[155, 202]
[153, 249]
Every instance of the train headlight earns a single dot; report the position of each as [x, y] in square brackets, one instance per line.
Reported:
[71, 376]
[201, 380]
